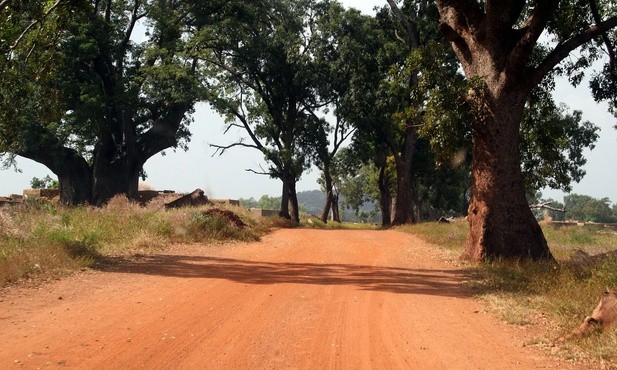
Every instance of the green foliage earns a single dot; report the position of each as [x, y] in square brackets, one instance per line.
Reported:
[552, 143]
[266, 79]
[81, 91]
[265, 202]
[45, 183]
[588, 209]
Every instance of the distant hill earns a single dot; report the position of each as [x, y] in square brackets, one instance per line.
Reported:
[311, 201]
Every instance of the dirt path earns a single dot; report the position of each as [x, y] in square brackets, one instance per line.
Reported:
[306, 299]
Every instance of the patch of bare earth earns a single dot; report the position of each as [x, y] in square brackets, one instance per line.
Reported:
[303, 299]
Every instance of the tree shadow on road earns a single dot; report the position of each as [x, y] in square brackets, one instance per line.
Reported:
[376, 278]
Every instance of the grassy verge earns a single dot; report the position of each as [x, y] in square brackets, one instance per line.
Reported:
[45, 241]
[556, 296]
[312, 222]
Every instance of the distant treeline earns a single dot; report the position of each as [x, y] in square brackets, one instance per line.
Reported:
[312, 202]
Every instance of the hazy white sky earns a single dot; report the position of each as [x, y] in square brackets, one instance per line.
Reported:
[226, 176]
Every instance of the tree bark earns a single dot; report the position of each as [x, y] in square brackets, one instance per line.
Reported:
[112, 178]
[293, 202]
[74, 173]
[336, 215]
[384, 196]
[329, 195]
[284, 212]
[75, 180]
[495, 57]
[404, 210]
[501, 223]
[289, 198]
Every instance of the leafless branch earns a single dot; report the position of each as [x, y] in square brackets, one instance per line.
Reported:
[546, 205]
[563, 50]
[220, 149]
[134, 18]
[263, 172]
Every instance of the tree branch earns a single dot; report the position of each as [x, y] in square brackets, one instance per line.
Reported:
[258, 173]
[563, 50]
[29, 27]
[413, 39]
[530, 33]
[546, 205]
[463, 16]
[609, 46]
[4, 4]
[502, 14]
[134, 18]
[220, 149]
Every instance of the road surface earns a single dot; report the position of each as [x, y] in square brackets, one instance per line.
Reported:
[299, 299]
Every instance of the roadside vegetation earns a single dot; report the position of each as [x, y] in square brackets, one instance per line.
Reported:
[556, 296]
[40, 240]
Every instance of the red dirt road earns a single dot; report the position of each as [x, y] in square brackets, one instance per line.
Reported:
[305, 299]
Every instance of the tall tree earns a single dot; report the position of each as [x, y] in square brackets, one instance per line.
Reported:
[384, 104]
[497, 45]
[265, 83]
[340, 40]
[106, 103]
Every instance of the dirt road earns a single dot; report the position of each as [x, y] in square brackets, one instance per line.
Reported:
[306, 299]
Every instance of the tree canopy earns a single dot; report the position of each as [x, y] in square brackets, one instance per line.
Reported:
[504, 59]
[88, 100]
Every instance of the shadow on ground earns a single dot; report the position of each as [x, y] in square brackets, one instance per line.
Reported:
[377, 278]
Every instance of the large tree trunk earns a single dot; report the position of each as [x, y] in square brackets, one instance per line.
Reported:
[501, 223]
[384, 196]
[75, 180]
[495, 53]
[111, 179]
[74, 173]
[336, 215]
[114, 173]
[294, 210]
[404, 211]
[284, 212]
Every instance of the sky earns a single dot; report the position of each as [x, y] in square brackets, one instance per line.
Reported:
[226, 176]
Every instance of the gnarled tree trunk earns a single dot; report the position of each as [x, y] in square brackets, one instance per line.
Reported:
[496, 55]
[501, 223]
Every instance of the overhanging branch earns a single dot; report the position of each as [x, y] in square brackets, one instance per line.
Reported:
[563, 50]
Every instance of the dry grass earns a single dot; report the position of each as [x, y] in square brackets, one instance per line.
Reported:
[44, 240]
[555, 296]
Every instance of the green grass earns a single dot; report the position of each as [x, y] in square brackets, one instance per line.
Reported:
[451, 236]
[312, 222]
[44, 240]
[528, 292]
